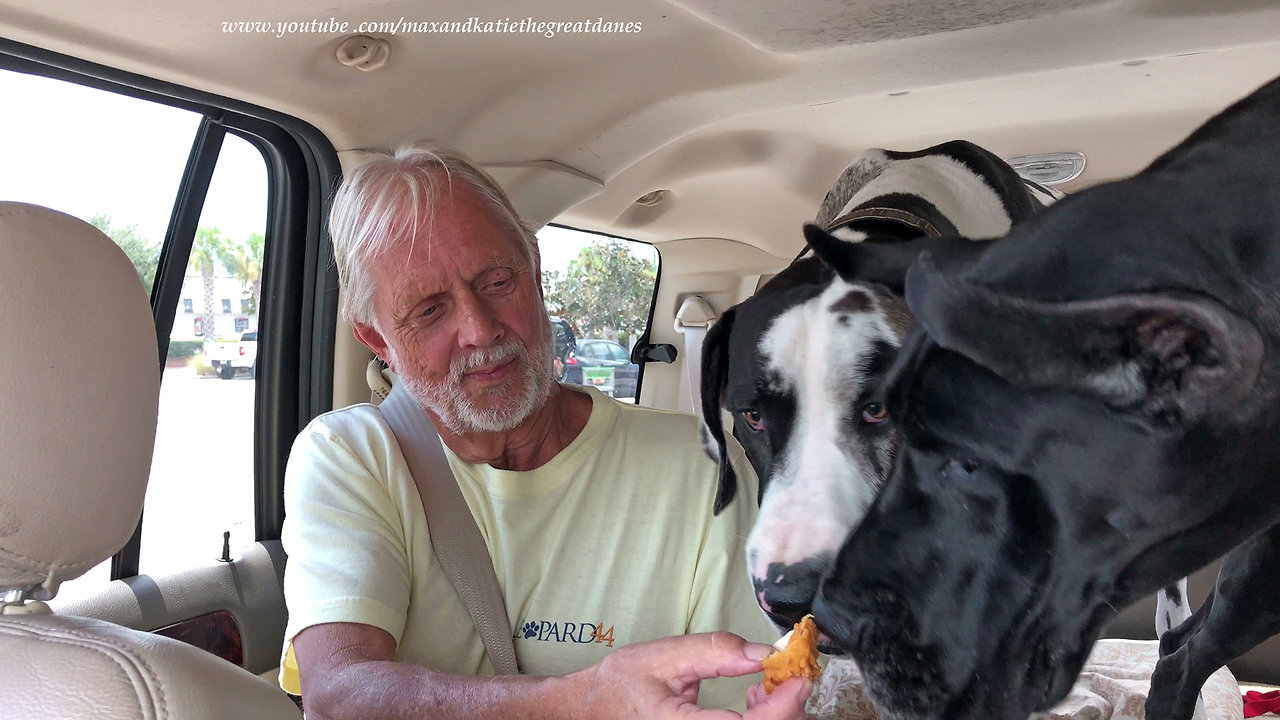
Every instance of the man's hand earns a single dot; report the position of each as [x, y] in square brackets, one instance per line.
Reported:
[660, 679]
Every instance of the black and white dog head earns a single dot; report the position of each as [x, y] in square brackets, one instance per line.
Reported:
[1087, 411]
[799, 364]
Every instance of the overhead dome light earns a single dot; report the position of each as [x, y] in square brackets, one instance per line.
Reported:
[1049, 168]
[651, 199]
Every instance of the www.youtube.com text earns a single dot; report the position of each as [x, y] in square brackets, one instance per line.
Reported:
[405, 26]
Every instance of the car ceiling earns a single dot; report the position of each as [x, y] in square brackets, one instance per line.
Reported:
[743, 112]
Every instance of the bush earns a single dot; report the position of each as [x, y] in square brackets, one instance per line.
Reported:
[185, 348]
[202, 368]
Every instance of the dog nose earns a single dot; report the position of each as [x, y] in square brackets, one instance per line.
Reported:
[787, 590]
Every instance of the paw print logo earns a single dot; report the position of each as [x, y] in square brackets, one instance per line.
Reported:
[530, 630]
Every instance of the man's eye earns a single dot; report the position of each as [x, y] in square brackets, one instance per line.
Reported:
[754, 419]
[499, 281]
[874, 412]
[430, 311]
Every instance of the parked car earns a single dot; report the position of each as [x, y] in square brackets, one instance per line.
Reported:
[603, 364]
[230, 356]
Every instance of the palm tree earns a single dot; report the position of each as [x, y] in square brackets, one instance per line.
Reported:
[209, 250]
[245, 262]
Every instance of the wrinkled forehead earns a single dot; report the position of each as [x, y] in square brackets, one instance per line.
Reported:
[748, 368]
[825, 336]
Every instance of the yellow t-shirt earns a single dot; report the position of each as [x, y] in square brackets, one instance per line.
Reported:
[612, 542]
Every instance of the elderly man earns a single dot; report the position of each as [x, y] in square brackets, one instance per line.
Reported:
[596, 514]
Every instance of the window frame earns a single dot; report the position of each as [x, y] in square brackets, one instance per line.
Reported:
[298, 317]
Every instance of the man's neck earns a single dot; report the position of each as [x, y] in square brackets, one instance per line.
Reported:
[532, 443]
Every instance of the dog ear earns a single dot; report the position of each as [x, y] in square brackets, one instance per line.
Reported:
[715, 373]
[885, 263]
[1174, 356]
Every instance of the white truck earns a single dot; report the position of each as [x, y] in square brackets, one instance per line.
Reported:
[228, 356]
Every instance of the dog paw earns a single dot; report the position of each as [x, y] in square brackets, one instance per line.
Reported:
[530, 630]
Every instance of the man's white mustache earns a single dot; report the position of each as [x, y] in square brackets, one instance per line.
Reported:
[486, 356]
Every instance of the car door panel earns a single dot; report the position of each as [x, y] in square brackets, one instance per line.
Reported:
[249, 590]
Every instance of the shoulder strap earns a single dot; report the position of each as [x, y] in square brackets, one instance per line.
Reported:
[457, 541]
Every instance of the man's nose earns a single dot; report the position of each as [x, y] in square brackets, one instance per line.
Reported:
[478, 323]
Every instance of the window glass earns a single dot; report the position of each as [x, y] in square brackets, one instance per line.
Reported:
[202, 473]
[597, 287]
[117, 163]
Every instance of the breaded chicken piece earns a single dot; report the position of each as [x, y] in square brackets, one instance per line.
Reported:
[799, 659]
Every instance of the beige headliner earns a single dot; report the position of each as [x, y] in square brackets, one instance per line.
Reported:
[743, 111]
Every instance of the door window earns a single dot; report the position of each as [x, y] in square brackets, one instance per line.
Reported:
[602, 286]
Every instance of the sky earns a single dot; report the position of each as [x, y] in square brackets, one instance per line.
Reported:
[85, 151]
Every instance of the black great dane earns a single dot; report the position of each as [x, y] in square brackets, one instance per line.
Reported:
[1088, 410]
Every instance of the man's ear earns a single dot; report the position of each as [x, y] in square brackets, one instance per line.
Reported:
[885, 263]
[369, 336]
[715, 373]
[1174, 356]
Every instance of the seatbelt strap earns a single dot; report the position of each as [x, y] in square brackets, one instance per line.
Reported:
[693, 319]
[456, 539]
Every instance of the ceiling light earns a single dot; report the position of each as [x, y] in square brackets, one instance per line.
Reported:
[1049, 168]
[652, 198]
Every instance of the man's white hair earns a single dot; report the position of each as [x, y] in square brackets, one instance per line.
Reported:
[390, 196]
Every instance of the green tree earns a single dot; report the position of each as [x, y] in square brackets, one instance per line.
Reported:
[244, 260]
[604, 292]
[144, 254]
[209, 250]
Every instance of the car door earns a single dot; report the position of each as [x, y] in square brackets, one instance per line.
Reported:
[217, 205]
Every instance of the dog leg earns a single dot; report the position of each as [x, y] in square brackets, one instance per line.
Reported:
[1239, 614]
[1172, 607]
[1174, 634]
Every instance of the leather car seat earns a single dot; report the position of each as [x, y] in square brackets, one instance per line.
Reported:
[79, 387]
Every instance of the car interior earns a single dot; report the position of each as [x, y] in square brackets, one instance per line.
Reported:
[707, 131]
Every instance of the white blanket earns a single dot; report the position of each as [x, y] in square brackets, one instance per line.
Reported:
[1112, 686]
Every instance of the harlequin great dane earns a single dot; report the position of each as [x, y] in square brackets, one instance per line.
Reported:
[798, 365]
[1089, 409]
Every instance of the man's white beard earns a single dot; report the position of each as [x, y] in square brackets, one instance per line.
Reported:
[458, 410]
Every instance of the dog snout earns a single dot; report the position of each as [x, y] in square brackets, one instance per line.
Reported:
[787, 590]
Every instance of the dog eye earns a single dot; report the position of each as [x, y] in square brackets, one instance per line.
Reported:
[874, 413]
[753, 419]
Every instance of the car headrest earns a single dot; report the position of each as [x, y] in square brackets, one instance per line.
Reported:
[80, 384]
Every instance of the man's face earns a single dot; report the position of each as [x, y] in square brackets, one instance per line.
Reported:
[459, 315]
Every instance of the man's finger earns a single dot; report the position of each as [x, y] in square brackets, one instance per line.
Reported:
[786, 702]
[755, 695]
